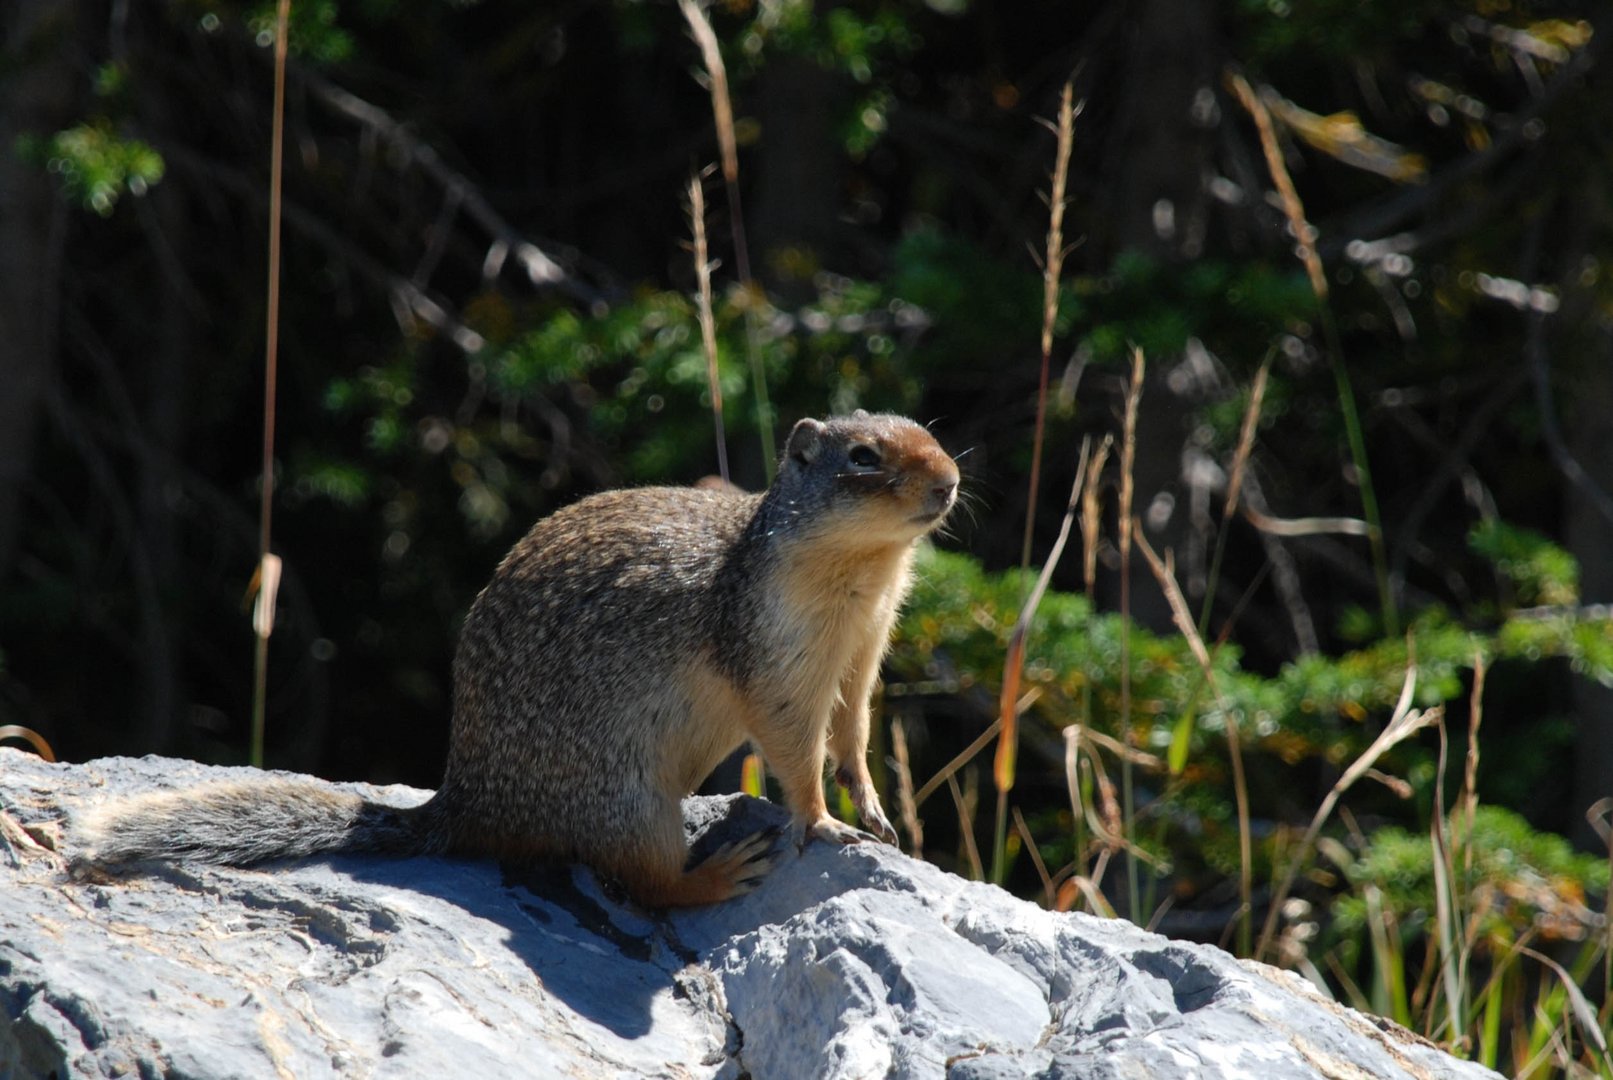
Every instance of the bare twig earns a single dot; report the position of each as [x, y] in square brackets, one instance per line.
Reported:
[410, 301]
[1454, 461]
[1285, 576]
[1377, 218]
[1550, 431]
[541, 268]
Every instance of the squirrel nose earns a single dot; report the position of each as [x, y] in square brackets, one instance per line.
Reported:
[942, 493]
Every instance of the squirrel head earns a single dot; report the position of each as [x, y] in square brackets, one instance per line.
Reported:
[882, 476]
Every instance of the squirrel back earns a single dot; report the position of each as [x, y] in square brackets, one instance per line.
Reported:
[625, 646]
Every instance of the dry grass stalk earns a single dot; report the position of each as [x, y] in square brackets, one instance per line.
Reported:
[966, 754]
[1455, 933]
[1240, 464]
[1014, 665]
[1403, 723]
[1087, 889]
[1072, 784]
[1470, 774]
[1072, 757]
[1108, 825]
[708, 322]
[906, 805]
[1305, 246]
[1246, 439]
[1600, 817]
[1111, 827]
[1119, 749]
[1128, 460]
[10, 732]
[1165, 574]
[722, 107]
[1128, 457]
[1397, 785]
[1048, 893]
[1103, 819]
[1080, 885]
[1311, 526]
[1583, 1011]
[966, 820]
[267, 576]
[1052, 263]
[1092, 515]
[1293, 209]
[722, 110]
[1004, 767]
[1445, 951]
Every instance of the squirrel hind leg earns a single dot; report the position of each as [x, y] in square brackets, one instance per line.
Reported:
[737, 867]
[658, 877]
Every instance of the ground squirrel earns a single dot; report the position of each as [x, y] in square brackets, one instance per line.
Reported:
[624, 647]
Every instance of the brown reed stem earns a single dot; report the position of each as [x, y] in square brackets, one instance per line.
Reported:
[267, 577]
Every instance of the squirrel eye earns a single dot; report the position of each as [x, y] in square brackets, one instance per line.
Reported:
[864, 457]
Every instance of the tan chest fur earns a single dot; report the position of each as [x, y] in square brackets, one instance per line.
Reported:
[823, 614]
[828, 610]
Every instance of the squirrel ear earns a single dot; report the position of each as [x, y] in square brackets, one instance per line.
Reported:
[805, 440]
[860, 414]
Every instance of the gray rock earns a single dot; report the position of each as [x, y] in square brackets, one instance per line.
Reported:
[847, 962]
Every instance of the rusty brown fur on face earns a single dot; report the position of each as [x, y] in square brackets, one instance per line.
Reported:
[623, 648]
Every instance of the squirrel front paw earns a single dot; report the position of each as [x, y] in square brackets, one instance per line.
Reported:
[866, 800]
[829, 830]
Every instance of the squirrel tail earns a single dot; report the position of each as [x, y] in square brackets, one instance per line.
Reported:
[239, 824]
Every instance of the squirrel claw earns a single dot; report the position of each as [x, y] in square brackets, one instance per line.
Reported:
[832, 831]
[881, 829]
[866, 800]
